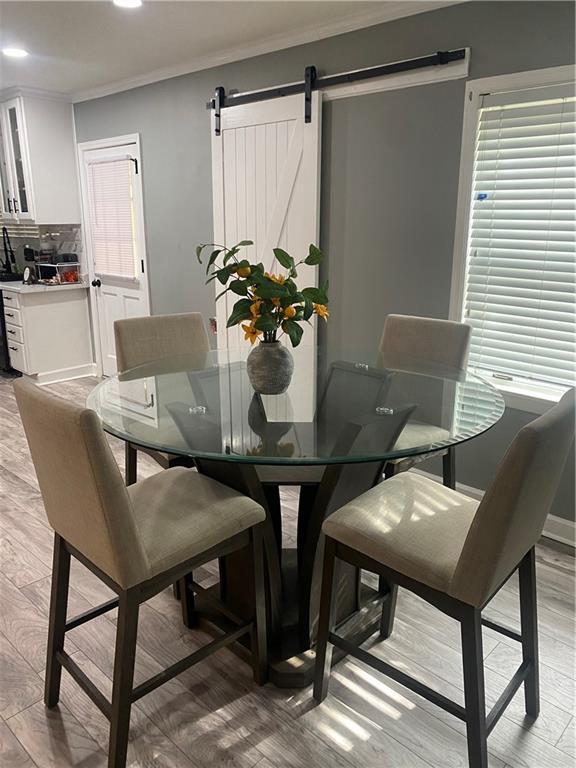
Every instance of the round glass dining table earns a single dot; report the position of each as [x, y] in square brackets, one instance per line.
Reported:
[342, 425]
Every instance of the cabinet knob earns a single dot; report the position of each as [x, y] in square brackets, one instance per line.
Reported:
[96, 283]
[11, 331]
[9, 314]
[15, 349]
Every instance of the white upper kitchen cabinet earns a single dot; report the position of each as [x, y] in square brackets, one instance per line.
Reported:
[38, 175]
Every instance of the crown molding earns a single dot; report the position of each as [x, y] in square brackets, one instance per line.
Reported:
[389, 12]
[37, 93]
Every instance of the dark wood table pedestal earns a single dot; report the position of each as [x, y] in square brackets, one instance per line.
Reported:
[294, 575]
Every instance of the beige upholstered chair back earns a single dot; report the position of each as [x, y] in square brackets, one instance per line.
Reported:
[407, 339]
[141, 340]
[511, 516]
[85, 499]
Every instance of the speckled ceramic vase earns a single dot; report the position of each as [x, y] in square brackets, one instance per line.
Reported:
[270, 367]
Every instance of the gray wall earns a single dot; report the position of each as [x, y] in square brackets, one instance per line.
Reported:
[389, 180]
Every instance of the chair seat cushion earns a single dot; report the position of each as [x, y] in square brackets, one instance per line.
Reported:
[414, 434]
[289, 474]
[181, 513]
[410, 524]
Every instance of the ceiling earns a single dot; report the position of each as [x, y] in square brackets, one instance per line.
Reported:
[86, 49]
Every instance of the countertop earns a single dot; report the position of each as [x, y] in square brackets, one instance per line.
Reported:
[21, 288]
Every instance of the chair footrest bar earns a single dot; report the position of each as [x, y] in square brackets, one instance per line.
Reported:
[82, 618]
[85, 683]
[507, 694]
[215, 603]
[511, 633]
[400, 677]
[180, 666]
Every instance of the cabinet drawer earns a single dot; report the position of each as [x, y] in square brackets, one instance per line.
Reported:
[11, 299]
[13, 316]
[14, 333]
[17, 356]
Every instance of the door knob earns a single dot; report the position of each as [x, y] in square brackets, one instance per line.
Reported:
[96, 283]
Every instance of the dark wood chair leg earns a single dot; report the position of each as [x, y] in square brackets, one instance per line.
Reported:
[325, 623]
[130, 460]
[383, 586]
[187, 601]
[124, 657]
[176, 590]
[259, 633]
[529, 631]
[449, 468]
[389, 470]
[474, 697]
[57, 620]
[388, 611]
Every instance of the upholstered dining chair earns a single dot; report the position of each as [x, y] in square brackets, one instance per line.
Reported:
[137, 540]
[408, 341]
[456, 554]
[141, 340]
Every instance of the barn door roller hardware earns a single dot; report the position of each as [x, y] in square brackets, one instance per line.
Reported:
[312, 82]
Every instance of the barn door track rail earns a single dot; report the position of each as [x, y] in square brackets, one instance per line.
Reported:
[312, 83]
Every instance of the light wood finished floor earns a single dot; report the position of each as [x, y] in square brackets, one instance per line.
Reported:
[213, 715]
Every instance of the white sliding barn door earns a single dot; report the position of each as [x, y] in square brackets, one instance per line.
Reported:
[266, 181]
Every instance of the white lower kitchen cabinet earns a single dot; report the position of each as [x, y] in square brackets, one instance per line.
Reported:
[48, 331]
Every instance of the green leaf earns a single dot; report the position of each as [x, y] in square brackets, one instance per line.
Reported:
[230, 255]
[315, 255]
[265, 323]
[223, 274]
[243, 243]
[308, 309]
[199, 249]
[213, 256]
[239, 286]
[315, 295]
[269, 290]
[284, 258]
[294, 331]
[240, 311]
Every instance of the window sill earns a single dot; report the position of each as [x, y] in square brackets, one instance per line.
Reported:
[527, 398]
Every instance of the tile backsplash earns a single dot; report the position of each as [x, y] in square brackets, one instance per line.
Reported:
[45, 239]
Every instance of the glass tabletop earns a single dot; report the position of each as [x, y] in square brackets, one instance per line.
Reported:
[334, 411]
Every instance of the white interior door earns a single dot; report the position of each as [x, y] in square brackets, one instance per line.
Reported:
[114, 239]
[266, 181]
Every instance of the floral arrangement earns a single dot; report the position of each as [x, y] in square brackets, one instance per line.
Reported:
[270, 304]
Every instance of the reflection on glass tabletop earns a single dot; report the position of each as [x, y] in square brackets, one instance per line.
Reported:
[334, 411]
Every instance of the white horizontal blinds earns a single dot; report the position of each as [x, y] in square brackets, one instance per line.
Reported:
[520, 282]
[112, 217]
[474, 410]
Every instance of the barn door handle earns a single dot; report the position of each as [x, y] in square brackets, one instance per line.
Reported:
[16, 210]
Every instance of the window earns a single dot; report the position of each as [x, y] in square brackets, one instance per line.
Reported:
[112, 217]
[519, 281]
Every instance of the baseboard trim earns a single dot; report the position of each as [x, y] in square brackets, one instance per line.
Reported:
[64, 374]
[556, 528]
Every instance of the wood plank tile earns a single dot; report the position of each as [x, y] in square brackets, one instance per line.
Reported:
[20, 685]
[23, 624]
[567, 742]
[54, 738]
[18, 563]
[12, 753]
[148, 746]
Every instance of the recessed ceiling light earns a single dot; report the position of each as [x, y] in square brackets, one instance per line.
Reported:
[128, 3]
[15, 53]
